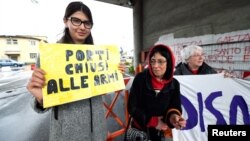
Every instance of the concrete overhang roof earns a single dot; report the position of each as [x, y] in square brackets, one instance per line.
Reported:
[125, 3]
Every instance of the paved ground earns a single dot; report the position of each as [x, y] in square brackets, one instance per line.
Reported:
[18, 121]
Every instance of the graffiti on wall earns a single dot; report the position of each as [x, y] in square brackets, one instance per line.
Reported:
[229, 51]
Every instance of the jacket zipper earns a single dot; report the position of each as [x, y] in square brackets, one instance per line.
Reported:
[91, 120]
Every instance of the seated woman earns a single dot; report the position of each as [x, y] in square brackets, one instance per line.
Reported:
[154, 101]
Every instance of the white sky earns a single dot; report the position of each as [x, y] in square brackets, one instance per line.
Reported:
[112, 24]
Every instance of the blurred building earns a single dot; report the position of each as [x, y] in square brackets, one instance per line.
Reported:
[21, 48]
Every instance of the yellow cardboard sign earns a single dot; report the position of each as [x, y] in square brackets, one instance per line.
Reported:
[75, 72]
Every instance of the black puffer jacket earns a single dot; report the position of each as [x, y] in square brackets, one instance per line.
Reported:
[144, 104]
[182, 69]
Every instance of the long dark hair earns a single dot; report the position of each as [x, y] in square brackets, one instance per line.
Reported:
[72, 8]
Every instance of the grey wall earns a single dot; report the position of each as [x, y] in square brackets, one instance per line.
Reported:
[186, 18]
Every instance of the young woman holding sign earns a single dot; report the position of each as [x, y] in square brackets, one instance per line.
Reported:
[84, 119]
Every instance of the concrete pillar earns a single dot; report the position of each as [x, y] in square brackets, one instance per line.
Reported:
[138, 31]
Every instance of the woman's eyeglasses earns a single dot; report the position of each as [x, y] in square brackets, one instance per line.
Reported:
[198, 55]
[78, 22]
[159, 62]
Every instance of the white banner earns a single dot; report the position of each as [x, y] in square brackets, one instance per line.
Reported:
[212, 100]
